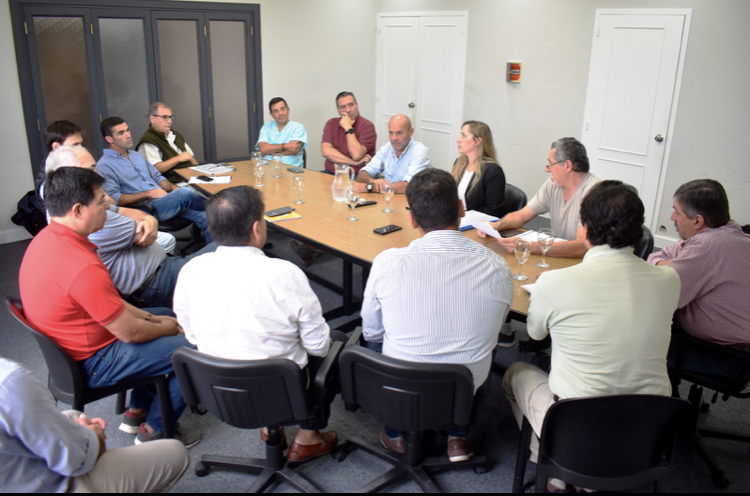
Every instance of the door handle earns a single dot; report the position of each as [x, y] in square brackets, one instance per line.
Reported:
[411, 105]
[659, 138]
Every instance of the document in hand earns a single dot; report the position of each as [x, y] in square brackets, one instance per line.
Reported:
[472, 216]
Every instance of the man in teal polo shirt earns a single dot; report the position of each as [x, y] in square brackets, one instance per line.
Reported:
[282, 136]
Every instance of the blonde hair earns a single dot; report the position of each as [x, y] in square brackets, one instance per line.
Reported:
[485, 155]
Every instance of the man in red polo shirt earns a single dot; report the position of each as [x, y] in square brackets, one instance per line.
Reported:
[69, 295]
[348, 139]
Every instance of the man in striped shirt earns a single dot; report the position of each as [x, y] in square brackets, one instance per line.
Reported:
[713, 261]
[442, 299]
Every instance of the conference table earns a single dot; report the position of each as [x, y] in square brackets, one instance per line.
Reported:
[324, 225]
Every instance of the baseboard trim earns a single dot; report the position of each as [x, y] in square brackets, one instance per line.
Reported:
[13, 235]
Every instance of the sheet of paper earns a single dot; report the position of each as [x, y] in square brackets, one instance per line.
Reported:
[486, 228]
[528, 287]
[213, 169]
[533, 236]
[216, 180]
[473, 216]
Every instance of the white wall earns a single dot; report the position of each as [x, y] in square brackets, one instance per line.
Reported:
[312, 49]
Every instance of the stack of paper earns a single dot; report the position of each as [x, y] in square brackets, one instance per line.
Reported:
[279, 218]
[472, 216]
[213, 169]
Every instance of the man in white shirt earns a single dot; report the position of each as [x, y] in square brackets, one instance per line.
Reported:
[442, 299]
[609, 317]
[239, 304]
[561, 196]
[398, 160]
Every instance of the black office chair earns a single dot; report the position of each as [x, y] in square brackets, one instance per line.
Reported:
[607, 443]
[411, 397]
[66, 382]
[254, 394]
[174, 226]
[727, 387]
[515, 199]
[644, 248]
[304, 158]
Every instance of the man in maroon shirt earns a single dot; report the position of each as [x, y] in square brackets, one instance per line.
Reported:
[348, 139]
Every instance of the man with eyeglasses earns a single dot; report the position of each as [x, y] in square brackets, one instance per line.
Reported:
[163, 147]
[561, 195]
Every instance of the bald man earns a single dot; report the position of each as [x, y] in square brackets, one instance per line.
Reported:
[397, 161]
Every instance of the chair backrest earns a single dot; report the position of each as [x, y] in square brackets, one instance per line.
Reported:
[733, 358]
[404, 395]
[243, 393]
[610, 442]
[65, 380]
[644, 248]
[515, 199]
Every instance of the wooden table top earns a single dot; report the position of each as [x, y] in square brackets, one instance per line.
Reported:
[324, 221]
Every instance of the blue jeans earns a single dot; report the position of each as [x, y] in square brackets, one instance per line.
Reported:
[160, 293]
[120, 361]
[183, 202]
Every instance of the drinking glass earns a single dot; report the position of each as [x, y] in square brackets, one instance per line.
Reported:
[255, 157]
[299, 185]
[546, 237]
[522, 251]
[388, 194]
[352, 198]
[276, 159]
[260, 169]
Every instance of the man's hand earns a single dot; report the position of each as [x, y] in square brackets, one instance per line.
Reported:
[664, 262]
[293, 147]
[378, 185]
[170, 324]
[346, 123]
[359, 187]
[365, 160]
[186, 157]
[97, 425]
[156, 193]
[146, 231]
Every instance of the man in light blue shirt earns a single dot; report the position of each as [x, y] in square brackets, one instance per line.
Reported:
[282, 136]
[45, 450]
[398, 160]
[132, 179]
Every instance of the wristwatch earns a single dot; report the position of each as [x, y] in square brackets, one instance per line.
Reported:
[369, 187]
[350, 131]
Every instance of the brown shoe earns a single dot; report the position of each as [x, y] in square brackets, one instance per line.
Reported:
[459, 450]
[264, 437]
[303, 452]
[306, 252]
[396, 445]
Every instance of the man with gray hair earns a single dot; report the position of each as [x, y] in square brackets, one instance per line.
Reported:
[162, 146]
[398, 160]
[561, 195]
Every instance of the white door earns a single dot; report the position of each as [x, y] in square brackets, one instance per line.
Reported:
[631, 98]
[421, 61]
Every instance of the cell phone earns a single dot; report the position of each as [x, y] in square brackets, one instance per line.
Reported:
[295, 170]
[387, 229]
[205, 178]
[365, 203]
[279, 211]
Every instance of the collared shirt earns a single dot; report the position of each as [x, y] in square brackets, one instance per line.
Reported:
[414, 158]
[442, 299]
[610, 319]
[270, 134]
[565, 216]
[127, 177]
[40, 448]
[714, 267]
[153, 154]
[129, 265]
[67, 291]
[236, 303]
[334, 134]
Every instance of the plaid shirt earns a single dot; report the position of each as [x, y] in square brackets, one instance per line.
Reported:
[714, 269]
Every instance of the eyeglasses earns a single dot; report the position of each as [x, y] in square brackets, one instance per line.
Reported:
[550, 165]
[166, 117]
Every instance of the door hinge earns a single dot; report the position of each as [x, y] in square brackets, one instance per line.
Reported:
[251, 32]
[26, 28]
[209, 112]
[253, 107]
[587, 125]
[38, 126]
[100, 118]
[92, 29]
[205, 32]
[597, 32]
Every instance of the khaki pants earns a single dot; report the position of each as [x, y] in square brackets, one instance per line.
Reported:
[151, 467]
[527, 388]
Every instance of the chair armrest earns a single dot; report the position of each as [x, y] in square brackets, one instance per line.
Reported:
[328, 371]
[356, 338]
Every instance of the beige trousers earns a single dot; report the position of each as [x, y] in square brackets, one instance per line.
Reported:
[152, 467]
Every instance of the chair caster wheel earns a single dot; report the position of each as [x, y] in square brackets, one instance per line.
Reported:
[340, 454]
[720, 482]
[201, 470]
[481, 470]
